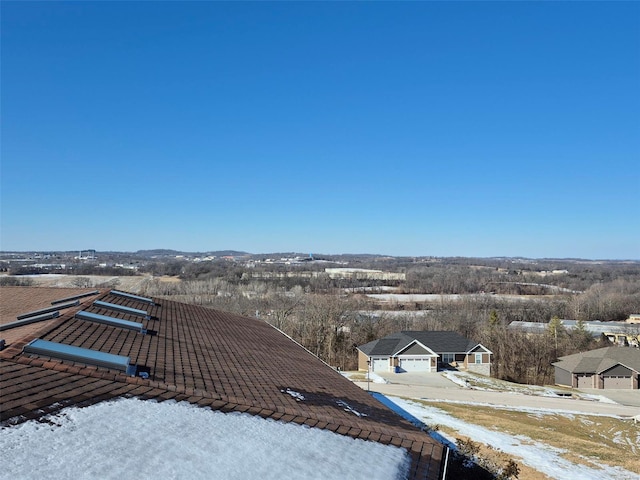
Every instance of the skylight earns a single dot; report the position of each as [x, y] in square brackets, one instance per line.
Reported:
[75, 297]
[29, 320]
[133, 297]
[122, 308]
[112, 321]
[78, 354]
[55, 308]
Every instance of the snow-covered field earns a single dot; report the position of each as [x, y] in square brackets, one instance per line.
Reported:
[131, 438]
[436, 297]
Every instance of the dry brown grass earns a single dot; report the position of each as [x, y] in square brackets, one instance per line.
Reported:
[497, 457]
[588, 440]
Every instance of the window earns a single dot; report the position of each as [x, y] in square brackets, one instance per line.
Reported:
[447, 357]
[478, 358]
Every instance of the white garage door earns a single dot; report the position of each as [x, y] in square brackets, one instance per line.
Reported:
[585, 381]
[380, 365]
[617, 382]
[415, 364]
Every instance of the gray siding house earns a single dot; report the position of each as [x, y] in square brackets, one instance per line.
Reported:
[424, 351]
[603, 368]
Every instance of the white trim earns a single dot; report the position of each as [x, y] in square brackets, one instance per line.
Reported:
[471, 350]
[422, 358]
[432, 354]
[619, 364]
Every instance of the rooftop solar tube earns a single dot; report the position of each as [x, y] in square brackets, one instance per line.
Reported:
[55, 308]
[29, 320]
[75, 297]
[122, 308]
[114, 322]
[78, 354]
[133, 297]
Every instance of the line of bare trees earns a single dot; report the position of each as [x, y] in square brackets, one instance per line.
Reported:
[332, 325]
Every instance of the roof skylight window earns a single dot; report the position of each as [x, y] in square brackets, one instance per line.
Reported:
[55, 308]
[112, 321]
[133, 297]
[122, 308]
[29, 320]
[75, 297]
[79, 354]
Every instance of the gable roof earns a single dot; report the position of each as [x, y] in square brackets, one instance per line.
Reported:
[601, 359]
[437, 341]
[203, 356]
[416, 348]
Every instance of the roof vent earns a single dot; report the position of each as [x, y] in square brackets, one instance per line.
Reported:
[133, 297]
[112, 321]
[123, 309]
[81, 355]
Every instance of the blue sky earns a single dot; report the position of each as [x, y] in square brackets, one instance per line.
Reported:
[417, 128]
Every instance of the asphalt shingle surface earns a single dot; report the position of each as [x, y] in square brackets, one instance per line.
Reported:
[206, 357]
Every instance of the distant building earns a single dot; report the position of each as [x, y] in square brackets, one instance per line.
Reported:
[633, 318]
[604, 368]
[363, 274]
[620, 333]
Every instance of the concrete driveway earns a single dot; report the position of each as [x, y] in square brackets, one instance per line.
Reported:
[433, 386]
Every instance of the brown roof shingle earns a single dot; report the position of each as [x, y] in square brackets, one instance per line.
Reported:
[206, 357]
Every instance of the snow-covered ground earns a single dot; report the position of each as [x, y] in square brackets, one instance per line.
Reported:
[373, 377]
[539, 456]
[416, 396]
[131, 438]
[436, 297]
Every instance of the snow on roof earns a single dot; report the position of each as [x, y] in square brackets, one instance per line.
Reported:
[132, 438]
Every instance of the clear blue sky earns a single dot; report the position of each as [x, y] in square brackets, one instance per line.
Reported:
[418, 128]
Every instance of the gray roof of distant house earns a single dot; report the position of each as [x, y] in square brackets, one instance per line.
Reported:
[601, 359]
[438, 341]
[595, 327]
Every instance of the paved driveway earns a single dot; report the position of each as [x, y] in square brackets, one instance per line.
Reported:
[433, 386]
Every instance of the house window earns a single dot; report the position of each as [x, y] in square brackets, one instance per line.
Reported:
[447, 357]
[478, 358]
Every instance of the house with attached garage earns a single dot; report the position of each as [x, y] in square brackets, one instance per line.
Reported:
[603, 368]
[424, 351]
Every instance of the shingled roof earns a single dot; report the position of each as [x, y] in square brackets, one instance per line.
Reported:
[206, 357]
[438, 341]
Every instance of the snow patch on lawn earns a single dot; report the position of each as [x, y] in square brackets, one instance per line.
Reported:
[480, 382]
[597, 398]
[373, 377]
[541, 457]
[131, 438]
